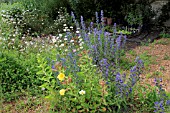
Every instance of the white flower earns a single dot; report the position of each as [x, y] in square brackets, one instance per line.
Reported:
[60, 35]
[53, 36]
[31, 43]
[68, 30]
[62, 45]
[64, 25]
[81, 47]
[43, 88]
[56, 45]
[65, 38]
[57, 38]
[77, 32]
[82, 92]
[53, 40]
[74, 50]
[65, 30]
[13, 39]
[81, 43]
[71, 40]
[71, 27]
[66, 50]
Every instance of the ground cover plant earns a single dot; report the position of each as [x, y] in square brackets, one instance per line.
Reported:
[81, 68]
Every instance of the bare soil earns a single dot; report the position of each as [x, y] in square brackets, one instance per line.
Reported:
[159, 51]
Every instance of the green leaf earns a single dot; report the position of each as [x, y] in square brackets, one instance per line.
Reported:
[40, 72]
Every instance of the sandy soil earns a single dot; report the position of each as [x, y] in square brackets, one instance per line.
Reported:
[160, 65]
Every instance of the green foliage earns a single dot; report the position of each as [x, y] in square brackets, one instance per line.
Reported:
[91, 100]
[47, 7]
[18, 74]
[72, 83]
[134, 19]
[134, 15]
[144, 98]
[25, 21]
[62, 19]
[86, 8]
[164, 35]
[165, 13]
[138, 13]
[6, 21]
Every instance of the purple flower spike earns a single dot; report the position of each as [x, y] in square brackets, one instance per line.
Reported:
[114, 24]
[97, 18]
[168, 102]
[82, 23]
[118, 41]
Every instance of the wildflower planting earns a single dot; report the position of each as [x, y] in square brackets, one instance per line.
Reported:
[79, 69]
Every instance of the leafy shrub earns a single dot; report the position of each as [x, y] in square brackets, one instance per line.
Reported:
[25, 21]
[165, 13]
[47, 7]
[85, 8]
[7, 22]
[62, 19]
[138, 14]
[18, 74]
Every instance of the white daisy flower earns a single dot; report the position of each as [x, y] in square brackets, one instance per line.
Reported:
[62, 45]
[81, 47]
[82, 92]
[60, 35]
[68, 30]
[77, 32]
[54, 40]
[71, 41]
[71, 27]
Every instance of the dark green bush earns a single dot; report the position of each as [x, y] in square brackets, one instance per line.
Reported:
[47, 7]
[18, 73]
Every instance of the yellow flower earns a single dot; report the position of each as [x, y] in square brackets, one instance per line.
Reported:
[61, 76]
[62, 91]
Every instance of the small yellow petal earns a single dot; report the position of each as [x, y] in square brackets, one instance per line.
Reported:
[62, 91]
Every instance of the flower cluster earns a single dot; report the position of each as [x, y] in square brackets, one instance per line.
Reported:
[159, 107]
[61, 21]
[62, 77]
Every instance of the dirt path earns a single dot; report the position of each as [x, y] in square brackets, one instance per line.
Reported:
[158, 64]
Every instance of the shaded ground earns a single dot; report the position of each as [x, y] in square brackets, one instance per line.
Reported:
[158, 53]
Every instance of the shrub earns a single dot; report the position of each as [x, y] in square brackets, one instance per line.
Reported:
[18, 74]
[62, 20]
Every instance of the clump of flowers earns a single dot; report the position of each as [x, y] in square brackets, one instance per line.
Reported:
[61, 22]
[92, 77]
